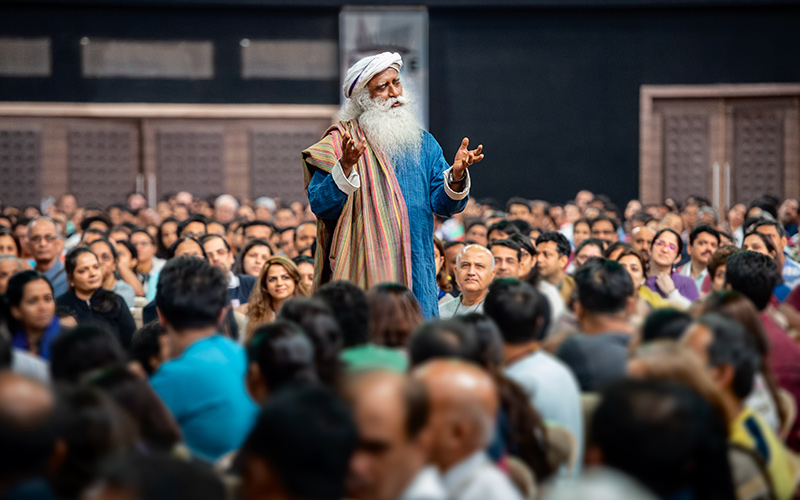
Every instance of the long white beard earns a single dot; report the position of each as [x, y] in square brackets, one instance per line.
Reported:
[394, 131]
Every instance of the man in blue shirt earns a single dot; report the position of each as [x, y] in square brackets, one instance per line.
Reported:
[204, 383]
[46, 243]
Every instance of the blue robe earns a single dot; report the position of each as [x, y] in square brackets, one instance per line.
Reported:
[422, 184]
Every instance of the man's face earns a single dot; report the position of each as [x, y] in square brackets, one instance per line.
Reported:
[497, 234]
[474, 272]
[287, 243]
[385, 85]
[787, 213]
[777, 240]
[136, 201]
[587, 252]
[145, 250]
[195, 229]
[451, 254]
[477, 233]
[583, 198]
[604, 230]
[519, 212]
[641, 241]
[285, 218]
[218, 254]
[45, 245]
[506, 262]
[257, 233]
[690, 216]
[68, 204]
[304, 236]
[551, 264]
[704, 245]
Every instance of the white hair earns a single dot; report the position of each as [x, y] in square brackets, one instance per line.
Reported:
[477, 247]
[226, 199]
[393, 130]
[7, 256]
[45, 218]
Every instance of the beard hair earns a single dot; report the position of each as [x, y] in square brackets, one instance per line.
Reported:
[394, 131]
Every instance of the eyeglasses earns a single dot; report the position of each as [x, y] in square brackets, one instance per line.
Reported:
[663, 244]
[49, 238]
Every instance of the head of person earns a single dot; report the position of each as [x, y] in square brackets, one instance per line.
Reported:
[9, 266]
[191, 295]
[257, 230]
[477, 232]
[507, 255]
[464, 404]
[665, 324]
[717, 265]
[665, 435]
[590, 247]
[195, 226]
[442, 338]
[9, 243]
[85, 349]
[728, 352]
[187, 247]
[31, 302]
[279, 280]
[633, 262]
[605, 228]
[442, 267]
[666, 248]
[145, 245]
[754, 275]
[613, 250]
[452, 249]
[759, 242]
[775, 231]
[394, 441]
[528, 256]
[394, 314]
[286, 241]
[519, 310]
[84, 273]
[106, 254]
[305, 265]
[703, 242]
[318, 322]
[501, 230]
[518, 208]
[475, 269]
[284, 459]
[605, 289]
[219, 252]
[305, 234]
[671, 221]
[45, 241]
[253, 257]
[553, 251]
[166, 236]
[279, 354]
[350, 307]
[738, 307]
[225, 207]
[150, 347]
[581, 230]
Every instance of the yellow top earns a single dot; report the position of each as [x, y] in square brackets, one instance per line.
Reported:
[653, 298]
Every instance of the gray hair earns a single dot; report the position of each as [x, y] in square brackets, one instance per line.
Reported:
[478, 247]
[7, 256]
[226, 199]
[708, 210]
[45, 218]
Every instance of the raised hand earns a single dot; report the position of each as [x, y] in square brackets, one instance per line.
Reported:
[465, 158]
[351, 152]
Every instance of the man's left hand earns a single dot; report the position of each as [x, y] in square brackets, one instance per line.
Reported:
[465, 158]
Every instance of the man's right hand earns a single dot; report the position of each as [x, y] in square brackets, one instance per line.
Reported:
[351, 152]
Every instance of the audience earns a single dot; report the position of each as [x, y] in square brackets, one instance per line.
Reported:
[279, 281]
[474, 270]
[46, 243]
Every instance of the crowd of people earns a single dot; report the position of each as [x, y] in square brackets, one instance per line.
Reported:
[188, 351]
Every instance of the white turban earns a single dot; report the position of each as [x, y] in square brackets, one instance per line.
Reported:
[362, 72]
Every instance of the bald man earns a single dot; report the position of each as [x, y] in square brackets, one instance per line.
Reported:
[464, 405]
[391, 459]
[27, 437]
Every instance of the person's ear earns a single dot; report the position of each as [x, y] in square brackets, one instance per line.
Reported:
[16, 313]
[161, 319]
[563, 261]
[724, 375]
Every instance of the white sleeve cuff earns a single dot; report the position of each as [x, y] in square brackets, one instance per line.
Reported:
[347, 185]
[460, 195]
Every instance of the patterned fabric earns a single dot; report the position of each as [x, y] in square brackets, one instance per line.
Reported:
[374, 220]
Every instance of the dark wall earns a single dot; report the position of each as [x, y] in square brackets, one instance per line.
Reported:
[552, 93]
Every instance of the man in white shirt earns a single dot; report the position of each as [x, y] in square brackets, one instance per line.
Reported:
[703, 242]
[464, 405]
[474, 272]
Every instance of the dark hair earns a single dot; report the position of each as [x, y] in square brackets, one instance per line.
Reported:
[194, 218]
[85, 223]
[720, 258]
[16, 290]
[472, 223]
[766, 240]
[103, 301]
[238, 268]
[145, 344]
[303, 259]
[253, 223]
[628, 252]
[525, 243]
[591, 241]
[731, 345]
[350, 307]
[84, 349]
[174, 247]
[753, 274]
[191, 293]
[522, 225]
[672, 232]
[110, 246]
[161, 249]
[700, 229]
[209, 237]
[129, 246]
[283, 353]
[306, 435]
[507, 243]
[452, 243]
[157, 427]
[518, 309]
[666, 436]
[616, 246]
[768, 223]
[316, 319]
[505, 226]
[441, 338]
[160, 477]
[601, 218]
[393, 314]
[583, 220]
[443, 277]
[137, 230]
[7, 232]
[603, 287]
[518, 201]
[562, 243]
[665, 323]
[98, 232]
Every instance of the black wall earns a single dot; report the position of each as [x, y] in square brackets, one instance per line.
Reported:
[552, 93]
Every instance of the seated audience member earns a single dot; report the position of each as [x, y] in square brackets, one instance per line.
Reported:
[761, 243]
[302, 445]
[444, 287]
[726, 348]
[305, 236]
[521, 313]
[664, 254]
[452, 249]
[553, 251]
[156, 477]
[119, 233]
[305, 265]
[279, 355]
[393, 454]
[253, 257]
[647, 300]
[501, 230]
[717, 265]
[527, 254]
[665, 436]
[89, 301]
[257, 230]
[28, 437]
[477, 233]
[703, 242]
[597, 354]
[204, 383]
[665, 324]
[150, 347]
[605, 228]
[91, 235]
[147, 264]
[754, 275]
[32, 309]
[279, 281]
[393, 314]
[519, 208]
[9, 266]
[318, 322]
[195, 226]
[464, 404]
[507, 255]
[107, 255]
[642, 239]
[286, 243]
[590, 247]
[613, 250]
[581, 231]
[166, 236]
[9, 243]
[790, 269]
[474, 271]
[220, 255]
[46, 243]
[84, 350]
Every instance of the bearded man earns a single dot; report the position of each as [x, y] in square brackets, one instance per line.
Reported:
[374, 182]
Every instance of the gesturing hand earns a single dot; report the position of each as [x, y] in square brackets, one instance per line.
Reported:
[351, 152]
[465, 158]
